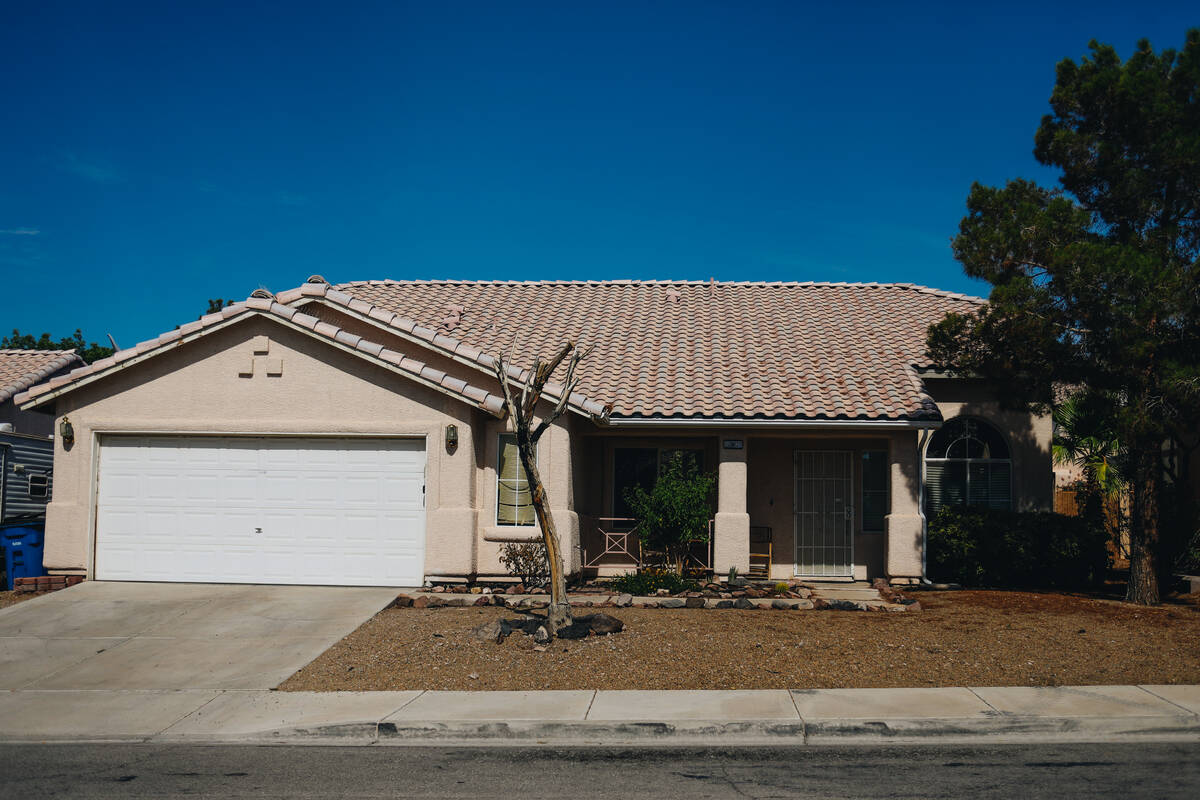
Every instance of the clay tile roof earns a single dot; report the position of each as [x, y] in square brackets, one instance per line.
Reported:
[20, 369]
[476, 395]
[697, 348]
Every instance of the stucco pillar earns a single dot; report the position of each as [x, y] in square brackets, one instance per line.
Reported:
[904, 524]
[449, 495]
[731, 528]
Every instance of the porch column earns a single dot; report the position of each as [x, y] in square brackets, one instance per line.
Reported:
[904, 523]
[731, 527]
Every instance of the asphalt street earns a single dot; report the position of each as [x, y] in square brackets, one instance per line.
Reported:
[1000, 771]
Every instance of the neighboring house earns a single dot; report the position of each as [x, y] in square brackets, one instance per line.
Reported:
[21, 369]
[26, 456]
[355, 434]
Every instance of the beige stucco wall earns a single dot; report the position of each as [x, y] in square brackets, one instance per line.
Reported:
[556, 467]
[1028, 436]
[197, 388]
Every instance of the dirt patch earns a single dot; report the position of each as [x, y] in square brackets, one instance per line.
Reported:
[12, 598]
[960, 639]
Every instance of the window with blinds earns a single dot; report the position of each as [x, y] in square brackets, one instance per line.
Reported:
[967, 463]
[514, 504]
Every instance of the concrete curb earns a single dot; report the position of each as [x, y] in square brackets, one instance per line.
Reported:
[726, 733]
[629, 718]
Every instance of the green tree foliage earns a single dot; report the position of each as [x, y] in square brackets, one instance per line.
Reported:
[1085, 443]
[675, 512]
[990, 547]
[1095, 283]
[216, 304]
[88, 351]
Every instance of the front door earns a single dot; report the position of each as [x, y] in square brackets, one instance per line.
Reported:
[824, 512]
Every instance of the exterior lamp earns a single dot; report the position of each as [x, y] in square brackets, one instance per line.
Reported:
[67, 431]
[451, 438]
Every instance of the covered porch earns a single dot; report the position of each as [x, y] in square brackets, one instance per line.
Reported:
[838, 505]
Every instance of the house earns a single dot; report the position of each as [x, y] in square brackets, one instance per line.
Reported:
[355, 434]
[26, 459]
[20, 369]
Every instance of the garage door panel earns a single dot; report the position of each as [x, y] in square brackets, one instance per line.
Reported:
[261, 510]
[239, 488]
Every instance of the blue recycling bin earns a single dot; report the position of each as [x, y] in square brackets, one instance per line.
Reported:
[22, 543]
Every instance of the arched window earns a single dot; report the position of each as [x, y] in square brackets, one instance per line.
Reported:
[967, 463]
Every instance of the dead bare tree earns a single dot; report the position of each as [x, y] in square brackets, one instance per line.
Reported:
[521, 410]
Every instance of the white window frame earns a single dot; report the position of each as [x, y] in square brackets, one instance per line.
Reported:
[522, 479]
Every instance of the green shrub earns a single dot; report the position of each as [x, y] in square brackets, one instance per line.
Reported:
[675, 512]
[987, 547]
[649, 581]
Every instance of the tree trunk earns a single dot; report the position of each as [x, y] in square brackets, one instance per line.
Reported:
[1143, 528]
[558, 613]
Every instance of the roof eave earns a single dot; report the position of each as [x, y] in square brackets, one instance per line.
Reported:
[774, 424]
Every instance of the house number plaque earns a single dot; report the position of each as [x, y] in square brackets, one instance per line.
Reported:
[734, 444]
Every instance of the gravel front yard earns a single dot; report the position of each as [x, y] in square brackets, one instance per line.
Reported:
[959, 639]
[12, 598]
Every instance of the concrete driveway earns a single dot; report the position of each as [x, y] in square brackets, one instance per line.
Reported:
[101, 635]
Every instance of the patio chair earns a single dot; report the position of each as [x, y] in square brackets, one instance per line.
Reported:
[761, 550]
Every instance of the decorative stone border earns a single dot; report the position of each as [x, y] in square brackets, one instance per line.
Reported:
[527, 602]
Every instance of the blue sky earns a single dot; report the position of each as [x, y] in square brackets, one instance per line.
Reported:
[159, 154]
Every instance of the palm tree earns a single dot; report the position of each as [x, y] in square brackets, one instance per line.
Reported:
[1080, 441]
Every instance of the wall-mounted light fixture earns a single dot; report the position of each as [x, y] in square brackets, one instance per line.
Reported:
[451, 438]
[67, 431]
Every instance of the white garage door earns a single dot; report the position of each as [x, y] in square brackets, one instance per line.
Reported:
[261, 510]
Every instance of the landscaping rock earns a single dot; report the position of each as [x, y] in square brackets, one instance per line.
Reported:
[663, 592]
[781, 604]
[402, 601]
[723, 604]
[421, 602]
[604, 624]
[672, 602]
[578, 629]
[483, 601]
[694, 602]
[541, 635]
[494, 631]
[458, 590]
[647, 604]
[624, 601]
[743, 602]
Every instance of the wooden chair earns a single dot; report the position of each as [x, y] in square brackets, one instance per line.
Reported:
[760, 552]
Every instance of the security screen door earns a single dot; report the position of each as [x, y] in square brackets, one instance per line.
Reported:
[824, 511]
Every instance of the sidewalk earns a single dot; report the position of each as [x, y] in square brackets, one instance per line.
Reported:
[726, 718]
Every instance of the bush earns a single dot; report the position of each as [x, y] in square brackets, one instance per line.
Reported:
[649, 581]
[527, 561]
[675, 512]
[987, 547]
